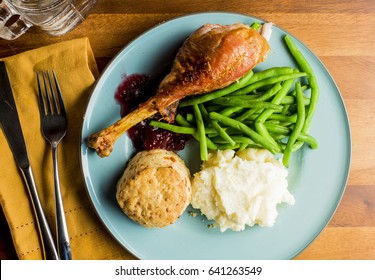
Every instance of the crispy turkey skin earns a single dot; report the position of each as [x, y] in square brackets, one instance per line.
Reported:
[213, 57]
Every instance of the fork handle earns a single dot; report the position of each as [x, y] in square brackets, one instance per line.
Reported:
[48, 245]
[61, 227]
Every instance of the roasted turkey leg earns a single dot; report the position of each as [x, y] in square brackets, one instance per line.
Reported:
[211, 58]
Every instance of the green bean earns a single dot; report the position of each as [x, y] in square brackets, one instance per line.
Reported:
[209, 129]
[275, 128]
[219, 140]
[201, 133]
[190, 118]
[278, 138]
[270, 72]
[250, 96]
[213, 107]
[245, 140]
[283, 118]
[271, 92]
[230, 130]
[306, 67]
[242, 140]
[268, 81]
[247, 103]
[223, 133]
[288, 124]
[229, 111]
[242, 147]
[182, 121]
[289, 100]
[253, 97]
[262, 130]
[203, 111]
[273, 116]
[210, 145]
[173, 128]
[245, 129]
[273, 122]
[217, 93]
[277, 99]
[249, 114]
[308, 139]
[216, 126]
[298, 127]
[297, 145]
[285, 110]
[283, 91]
[256, 25]
[228, 147]
[303, 88]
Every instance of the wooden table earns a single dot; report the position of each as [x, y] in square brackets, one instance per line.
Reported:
[342, 35]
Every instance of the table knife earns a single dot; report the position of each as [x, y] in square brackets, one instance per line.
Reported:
[11, 126]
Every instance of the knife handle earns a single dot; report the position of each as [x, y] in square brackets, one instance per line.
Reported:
[48, 245]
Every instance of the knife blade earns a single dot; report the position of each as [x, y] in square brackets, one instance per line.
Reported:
[11, 127]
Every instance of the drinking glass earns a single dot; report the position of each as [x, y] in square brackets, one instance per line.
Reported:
[55, 17]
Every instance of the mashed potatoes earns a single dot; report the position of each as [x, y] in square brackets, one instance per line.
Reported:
[241, 189]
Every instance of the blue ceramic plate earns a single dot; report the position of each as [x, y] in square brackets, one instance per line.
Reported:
[317, 178]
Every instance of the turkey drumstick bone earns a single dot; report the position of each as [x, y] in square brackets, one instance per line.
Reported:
[212, 57]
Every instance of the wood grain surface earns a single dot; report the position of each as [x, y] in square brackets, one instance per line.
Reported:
[341, 33]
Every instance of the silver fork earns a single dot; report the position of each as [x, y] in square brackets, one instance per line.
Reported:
[54, 127]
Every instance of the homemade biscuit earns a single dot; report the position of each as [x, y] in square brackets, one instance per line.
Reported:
[154, 189]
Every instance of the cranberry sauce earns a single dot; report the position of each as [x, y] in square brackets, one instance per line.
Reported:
[133, 90]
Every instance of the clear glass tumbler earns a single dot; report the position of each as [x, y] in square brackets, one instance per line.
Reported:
[55, 17]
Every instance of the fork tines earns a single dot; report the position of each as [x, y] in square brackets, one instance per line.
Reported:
[51, 92]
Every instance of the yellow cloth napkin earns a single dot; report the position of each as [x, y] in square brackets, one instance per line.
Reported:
[75, 66]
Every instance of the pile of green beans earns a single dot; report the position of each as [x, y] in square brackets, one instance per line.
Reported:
[269, 109]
